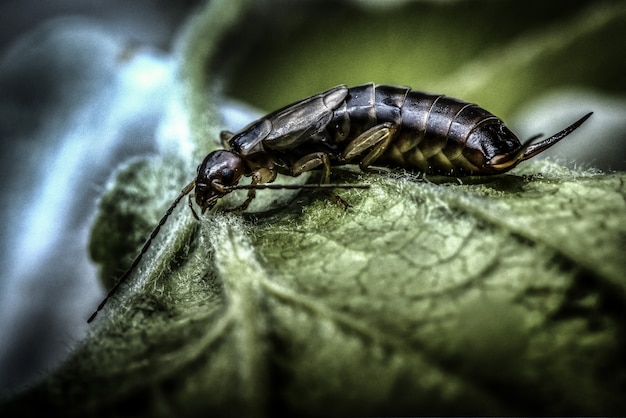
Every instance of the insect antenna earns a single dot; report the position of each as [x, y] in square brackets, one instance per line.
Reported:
[535, 149]
[296, 186]
[188, 188]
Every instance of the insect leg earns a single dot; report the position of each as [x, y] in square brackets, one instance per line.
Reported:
[312, 161]
[260, 175]
[377, 138]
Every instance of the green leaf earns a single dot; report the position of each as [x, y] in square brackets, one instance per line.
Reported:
[501, 296]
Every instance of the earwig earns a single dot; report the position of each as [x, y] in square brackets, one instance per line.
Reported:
[367, 125]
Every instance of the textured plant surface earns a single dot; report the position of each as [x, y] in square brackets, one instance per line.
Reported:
[498, 295]
[505, 296]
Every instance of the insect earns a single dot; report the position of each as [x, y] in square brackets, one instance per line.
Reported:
[366, 125]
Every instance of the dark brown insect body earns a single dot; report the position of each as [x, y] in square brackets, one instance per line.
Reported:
[366, 125]
[369, 125]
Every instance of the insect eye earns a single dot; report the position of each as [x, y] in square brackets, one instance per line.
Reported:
[227, 176]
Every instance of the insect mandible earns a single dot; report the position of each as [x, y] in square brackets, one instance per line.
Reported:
[367, 125]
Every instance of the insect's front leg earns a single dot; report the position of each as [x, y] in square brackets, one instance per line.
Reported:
[260, 175]
[377, 138]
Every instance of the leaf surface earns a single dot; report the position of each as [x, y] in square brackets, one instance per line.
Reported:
[500, 295]
[422, 298]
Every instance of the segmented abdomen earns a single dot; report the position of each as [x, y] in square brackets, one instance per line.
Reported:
[433, 128]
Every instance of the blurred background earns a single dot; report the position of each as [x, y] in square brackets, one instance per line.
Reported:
[87, 85]
[84, 85]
